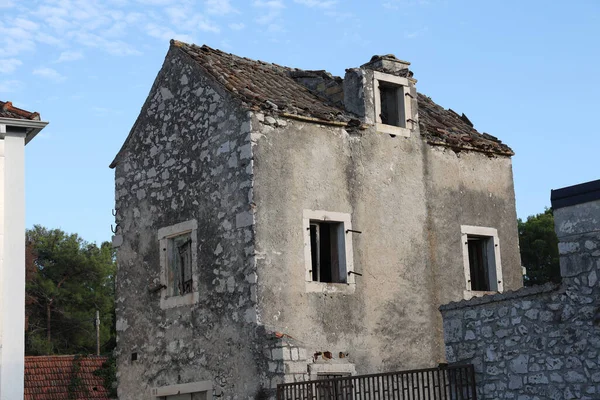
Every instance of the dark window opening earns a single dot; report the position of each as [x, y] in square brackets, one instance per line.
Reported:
[392, 105]
[326, 248]
[482, 266]
[180, 265]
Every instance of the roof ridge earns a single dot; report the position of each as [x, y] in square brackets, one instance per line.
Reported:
[7, 106]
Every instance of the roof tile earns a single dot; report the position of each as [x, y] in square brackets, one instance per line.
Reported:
[261, 85]
[7, 110]
[50, 378]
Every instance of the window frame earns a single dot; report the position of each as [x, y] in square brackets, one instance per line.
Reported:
[346, 224]
[165, 238]
[403, 84]
[316, 370]
[157, 393]
[490, 234]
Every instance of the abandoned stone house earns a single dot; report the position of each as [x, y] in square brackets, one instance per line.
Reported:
[277, 224]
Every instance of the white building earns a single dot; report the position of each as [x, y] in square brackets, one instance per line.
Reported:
[17, 128]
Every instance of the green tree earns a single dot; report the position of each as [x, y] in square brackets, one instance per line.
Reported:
[539, 249]
[68, 279]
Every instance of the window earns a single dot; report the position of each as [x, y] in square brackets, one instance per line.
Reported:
[320, 371]
[481, 254]
[392, 104]
[326, 246]
[328, 251]
[179, 264]
[178, 247]
[186, 391]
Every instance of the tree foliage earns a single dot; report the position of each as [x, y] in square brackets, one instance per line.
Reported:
[539, 249]
[68, 279]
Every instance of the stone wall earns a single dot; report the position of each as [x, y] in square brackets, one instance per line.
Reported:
[188, 157]
[540, 342]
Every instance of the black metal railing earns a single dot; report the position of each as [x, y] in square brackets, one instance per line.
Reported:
[442, 383]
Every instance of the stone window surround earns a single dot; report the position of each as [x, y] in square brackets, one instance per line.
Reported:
[492, 233]
[398, 81]
[164, 234]
[184, 388]
[326, 287]
[326, 369]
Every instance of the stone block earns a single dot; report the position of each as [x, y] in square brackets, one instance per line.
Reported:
[537, 379]
[520, 364]
[296, 368]
[453, 330]
[294, 353]
[515, 382]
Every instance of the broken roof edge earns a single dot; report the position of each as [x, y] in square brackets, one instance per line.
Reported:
[117, 157]
[246, 79]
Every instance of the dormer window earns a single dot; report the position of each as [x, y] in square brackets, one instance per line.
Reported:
[392, 104]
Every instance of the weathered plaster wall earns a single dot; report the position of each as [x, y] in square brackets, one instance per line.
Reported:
[408, 200]
[378, 180]
[469, 188]
[189, 157]
[540, 342]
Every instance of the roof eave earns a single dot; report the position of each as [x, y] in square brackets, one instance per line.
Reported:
[32, 127]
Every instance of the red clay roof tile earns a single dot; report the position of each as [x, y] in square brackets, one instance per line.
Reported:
[52, 378]
[7, 110]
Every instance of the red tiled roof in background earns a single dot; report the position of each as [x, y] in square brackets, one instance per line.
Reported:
[7, 110]
[55, 377]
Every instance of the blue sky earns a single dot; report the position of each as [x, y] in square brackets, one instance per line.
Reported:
[524, 71]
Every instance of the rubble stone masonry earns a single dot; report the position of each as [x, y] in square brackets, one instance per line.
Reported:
[540, 342]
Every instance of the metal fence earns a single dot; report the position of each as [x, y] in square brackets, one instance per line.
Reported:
[443, 383]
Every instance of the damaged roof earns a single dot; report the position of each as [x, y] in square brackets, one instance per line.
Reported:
[7, 110]
[445, 127]
[261, 85]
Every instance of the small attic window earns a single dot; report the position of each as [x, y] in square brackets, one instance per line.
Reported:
[392, 104]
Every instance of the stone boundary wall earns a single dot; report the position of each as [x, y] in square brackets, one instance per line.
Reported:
[540, 342]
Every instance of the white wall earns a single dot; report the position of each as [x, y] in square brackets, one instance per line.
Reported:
[12, 266]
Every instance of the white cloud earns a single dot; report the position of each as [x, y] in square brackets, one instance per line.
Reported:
[273, 7]
[49, 73]
[9, 65]
[6, 4]
[67, 56]
[219, 7]
[186, 19]
[273, 4]
[114, 47]
[397, 4]
[237, 27]
[25, 24]
[165, 34]
[9, 86]
[317, 3]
